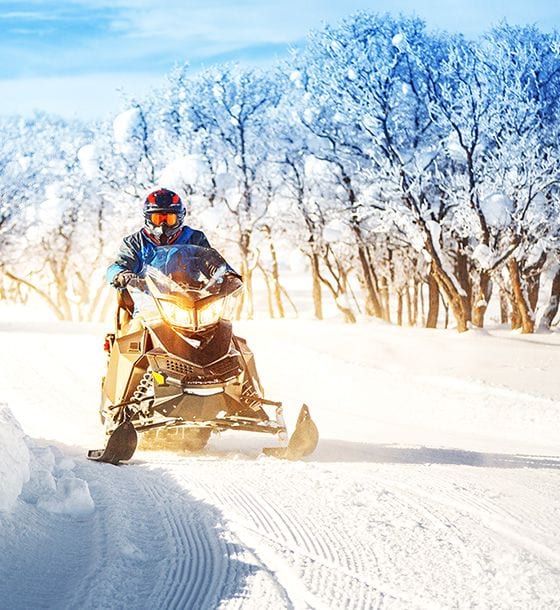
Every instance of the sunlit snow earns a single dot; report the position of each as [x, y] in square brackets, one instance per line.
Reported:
[434, 483]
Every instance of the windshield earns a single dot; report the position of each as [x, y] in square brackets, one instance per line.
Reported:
[195, 270]
[191, 287]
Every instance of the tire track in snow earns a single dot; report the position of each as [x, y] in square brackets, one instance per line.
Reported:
[210, 566]
[477, 536]
[439, 531]
[328, 564]
[162, 543]
[125, 549]
[31, 579]
[198, 565]
[491, 516]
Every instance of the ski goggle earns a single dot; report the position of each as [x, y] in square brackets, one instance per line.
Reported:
[158, 218]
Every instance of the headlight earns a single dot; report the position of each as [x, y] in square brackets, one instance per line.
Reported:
[177, 316]
[201, 317]
[211, 313]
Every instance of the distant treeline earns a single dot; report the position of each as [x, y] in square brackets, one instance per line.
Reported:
[416, 172]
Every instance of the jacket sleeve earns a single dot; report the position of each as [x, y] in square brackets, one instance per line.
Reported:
[128, 258]
[198, 238]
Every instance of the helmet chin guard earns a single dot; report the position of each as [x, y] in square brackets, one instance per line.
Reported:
[162, 232]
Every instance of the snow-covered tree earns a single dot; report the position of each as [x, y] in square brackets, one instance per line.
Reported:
[390, 157]
[228, 110]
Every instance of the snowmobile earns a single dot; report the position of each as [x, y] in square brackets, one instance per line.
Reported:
[176, 371]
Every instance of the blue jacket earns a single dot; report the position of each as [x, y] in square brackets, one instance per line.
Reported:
[138, 250]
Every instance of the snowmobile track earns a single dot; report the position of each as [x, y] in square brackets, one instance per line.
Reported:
[205, 564]
[198, 559]
[332, 567]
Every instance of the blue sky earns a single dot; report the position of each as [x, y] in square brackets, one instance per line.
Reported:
[72, 56]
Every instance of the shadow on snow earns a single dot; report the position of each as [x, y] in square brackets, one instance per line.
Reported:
[330, 450]
[148, 543]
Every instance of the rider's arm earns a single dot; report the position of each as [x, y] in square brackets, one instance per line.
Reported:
[198, 238]
[128, 259]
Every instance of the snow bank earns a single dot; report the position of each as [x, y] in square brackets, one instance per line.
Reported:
[53, 486]
[14, 459]
[42, 476]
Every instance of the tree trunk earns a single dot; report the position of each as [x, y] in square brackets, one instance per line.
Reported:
[370, 280]
[317, 292]
[60, 314]
[515, 320]
[433, 302]
[246, 299]
[448, 285]
[348, 314]
[338, 287]
[269, 300]
[384, 293]
[363, 253]
[533, 286]
[455, 300]
[504, 309]
[446, 317]
[399, 307]
[463, 277]
[410, 309]
[551, 309]
[290, 301]
[277, 289]
[481, 298]
[521, 302]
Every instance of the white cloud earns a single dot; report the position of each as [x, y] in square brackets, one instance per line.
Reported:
[88, 96]
[143, 39]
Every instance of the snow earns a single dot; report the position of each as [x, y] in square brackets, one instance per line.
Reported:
[398, 41]
[434, 483]
[454, 148]
[187, 169]
[87, 156]
[53, 486]
[497, 209]
[535, 253]
[296, 78]
[14, 459]
[318, 169]
[297, 262]
[484, 256]
[336, 231]
[126, 126]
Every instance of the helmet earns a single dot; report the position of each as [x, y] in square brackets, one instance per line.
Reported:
[164, 213]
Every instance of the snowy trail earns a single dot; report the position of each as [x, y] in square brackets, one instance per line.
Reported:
[438, 489]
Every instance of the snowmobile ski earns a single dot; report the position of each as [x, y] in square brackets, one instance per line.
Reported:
[303, 441]
[120, 446]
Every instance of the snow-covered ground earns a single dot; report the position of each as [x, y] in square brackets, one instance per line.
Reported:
[435, 484]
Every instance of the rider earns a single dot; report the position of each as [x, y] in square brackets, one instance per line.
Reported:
[164, 213]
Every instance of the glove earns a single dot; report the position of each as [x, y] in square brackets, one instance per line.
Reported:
[123, 278]
[232, 281]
